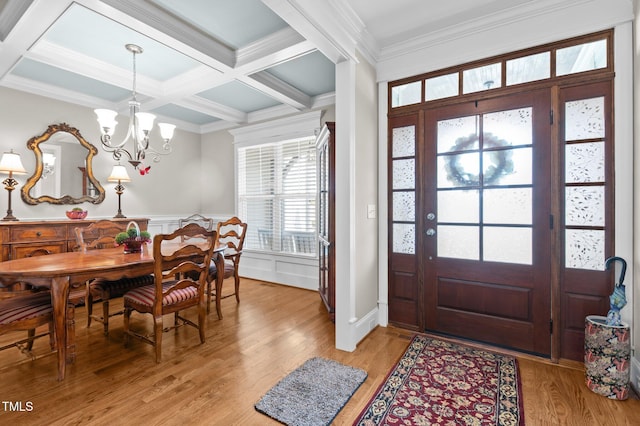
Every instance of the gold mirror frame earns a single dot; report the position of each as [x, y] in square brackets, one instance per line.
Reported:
[34, 145]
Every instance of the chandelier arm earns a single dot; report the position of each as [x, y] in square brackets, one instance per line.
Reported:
[115, 151]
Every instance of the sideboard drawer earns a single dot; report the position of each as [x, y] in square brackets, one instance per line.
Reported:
[18, 251]
[38, 233]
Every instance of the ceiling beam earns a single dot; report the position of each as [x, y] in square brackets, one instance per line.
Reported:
[322, 23]
[165, 28]
[27, 30]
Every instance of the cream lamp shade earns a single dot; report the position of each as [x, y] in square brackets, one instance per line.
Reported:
[11, 162]
[119, 174]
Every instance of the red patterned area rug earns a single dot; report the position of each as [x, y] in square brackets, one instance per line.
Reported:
[438, 382]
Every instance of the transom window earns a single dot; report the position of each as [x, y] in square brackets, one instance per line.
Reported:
[546, 62]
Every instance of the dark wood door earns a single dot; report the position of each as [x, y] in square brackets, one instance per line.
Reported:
[485, 220]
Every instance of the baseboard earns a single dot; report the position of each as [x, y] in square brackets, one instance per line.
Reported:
[365, 325]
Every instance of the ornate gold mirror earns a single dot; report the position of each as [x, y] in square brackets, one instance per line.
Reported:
[64, 171]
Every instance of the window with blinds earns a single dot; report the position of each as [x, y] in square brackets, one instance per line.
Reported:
[277, 196]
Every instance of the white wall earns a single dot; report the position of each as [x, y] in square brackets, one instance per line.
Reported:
[635, 283]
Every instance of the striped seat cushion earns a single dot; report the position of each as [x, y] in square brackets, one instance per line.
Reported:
[119, 287]
[24, 308]
[228, 269]
[144, 295]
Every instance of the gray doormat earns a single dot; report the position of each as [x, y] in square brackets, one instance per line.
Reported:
[312, 394]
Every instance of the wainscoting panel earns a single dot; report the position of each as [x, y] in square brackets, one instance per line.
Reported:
[296, 271]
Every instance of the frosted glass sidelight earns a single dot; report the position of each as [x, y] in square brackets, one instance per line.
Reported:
[459, 242]
[452, 132]
[510, 245]
[404, 174]
[511, 127]
[404, 238]
[508, 206]
[584, 119]
[584, 206]
[404, 141]
[404, 206]
[406, 94]
[459, 206]
[529, 68]
[440, 87]
[508, 167]
[584, 162]
[482, 78]
[584, 249]
[582, 57]
[458, 170]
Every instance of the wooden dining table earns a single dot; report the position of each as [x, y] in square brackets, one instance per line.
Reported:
[60, 271]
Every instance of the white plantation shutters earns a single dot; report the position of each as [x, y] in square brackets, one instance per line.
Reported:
[277, 195]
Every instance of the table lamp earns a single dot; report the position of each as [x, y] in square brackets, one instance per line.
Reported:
[119, 174]
[11, 163]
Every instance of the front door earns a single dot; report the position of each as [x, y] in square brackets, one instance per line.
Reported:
[486, 201]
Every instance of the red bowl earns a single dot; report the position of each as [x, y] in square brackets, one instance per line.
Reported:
[77, 214]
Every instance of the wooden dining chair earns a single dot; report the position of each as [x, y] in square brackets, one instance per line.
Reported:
[175, 289]
[205, 222]
[101, 235]
[231, 233]
[26, 312]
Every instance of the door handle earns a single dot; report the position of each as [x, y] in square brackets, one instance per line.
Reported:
[430, 232]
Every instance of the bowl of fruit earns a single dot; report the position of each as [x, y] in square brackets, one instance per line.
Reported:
[76, 213]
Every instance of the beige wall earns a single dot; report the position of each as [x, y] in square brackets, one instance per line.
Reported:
[218, 174]
[366, 181]
[172, 187]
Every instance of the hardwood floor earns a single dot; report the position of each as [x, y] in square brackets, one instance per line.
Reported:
[271, 332]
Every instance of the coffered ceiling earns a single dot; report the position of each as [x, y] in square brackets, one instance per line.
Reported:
[213, 64]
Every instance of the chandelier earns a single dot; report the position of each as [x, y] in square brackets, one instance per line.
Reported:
[140, 124]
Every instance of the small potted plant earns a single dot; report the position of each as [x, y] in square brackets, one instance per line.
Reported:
[132, 239]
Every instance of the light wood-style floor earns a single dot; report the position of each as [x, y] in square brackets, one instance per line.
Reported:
[271, 332]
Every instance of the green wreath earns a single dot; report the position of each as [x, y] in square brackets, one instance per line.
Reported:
[501, 161]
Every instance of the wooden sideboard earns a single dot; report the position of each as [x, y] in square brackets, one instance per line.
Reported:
[24, 238]
[29, 238]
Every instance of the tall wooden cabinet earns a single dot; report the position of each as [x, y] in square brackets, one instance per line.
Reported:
[325, 145]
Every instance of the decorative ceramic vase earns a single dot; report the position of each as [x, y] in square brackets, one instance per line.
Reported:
[607, 350]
